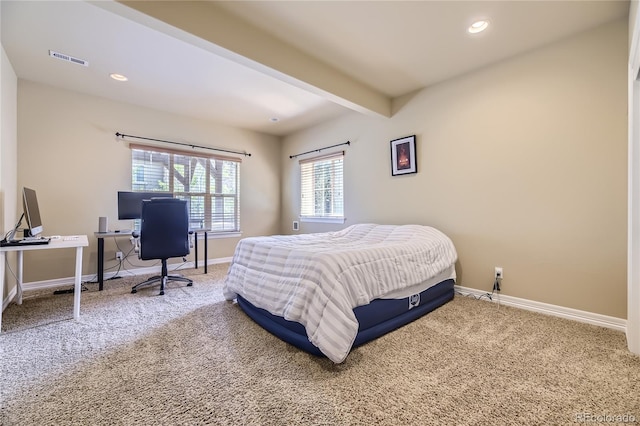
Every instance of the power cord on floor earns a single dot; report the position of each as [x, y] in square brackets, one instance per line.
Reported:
[495, 293]
[474, 296]
[70, 290]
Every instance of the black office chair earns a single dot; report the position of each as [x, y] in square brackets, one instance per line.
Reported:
[164, 233]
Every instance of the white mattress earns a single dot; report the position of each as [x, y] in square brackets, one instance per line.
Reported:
[317, 279]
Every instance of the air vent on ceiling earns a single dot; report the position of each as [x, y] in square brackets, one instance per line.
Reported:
[68, 58]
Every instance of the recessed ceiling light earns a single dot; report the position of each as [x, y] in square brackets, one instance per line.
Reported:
[118, 77]
[478, 27]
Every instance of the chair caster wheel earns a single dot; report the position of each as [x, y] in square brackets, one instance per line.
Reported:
[190, 284]
[162, 293]
[134, 291]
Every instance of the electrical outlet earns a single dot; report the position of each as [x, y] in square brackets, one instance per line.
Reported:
[296, 225]
[498, 273]
[118, 255]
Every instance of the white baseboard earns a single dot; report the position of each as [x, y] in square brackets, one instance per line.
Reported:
[554, 310]
[58, 282]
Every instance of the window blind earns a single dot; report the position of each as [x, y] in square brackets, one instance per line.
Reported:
[321, 186]
[209, 183]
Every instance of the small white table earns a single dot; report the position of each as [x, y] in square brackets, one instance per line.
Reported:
[77, 242]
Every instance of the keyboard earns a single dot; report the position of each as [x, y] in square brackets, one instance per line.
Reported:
[24, 242]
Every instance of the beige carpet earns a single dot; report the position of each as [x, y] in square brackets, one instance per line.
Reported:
[190, 358]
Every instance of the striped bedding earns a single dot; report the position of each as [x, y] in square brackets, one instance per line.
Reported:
[317, 279]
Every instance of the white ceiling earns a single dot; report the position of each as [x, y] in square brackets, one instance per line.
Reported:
[238, 77]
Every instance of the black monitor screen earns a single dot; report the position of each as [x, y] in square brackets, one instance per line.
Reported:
[130, 203]
[31, 211]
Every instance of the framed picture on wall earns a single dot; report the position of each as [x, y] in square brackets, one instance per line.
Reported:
[403, 156]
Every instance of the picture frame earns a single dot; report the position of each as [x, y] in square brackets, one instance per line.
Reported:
[403, 156]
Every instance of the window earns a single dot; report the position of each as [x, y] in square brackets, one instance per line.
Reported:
[321, 188]
[209, 183]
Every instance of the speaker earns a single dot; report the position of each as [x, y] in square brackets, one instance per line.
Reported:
[103, 224]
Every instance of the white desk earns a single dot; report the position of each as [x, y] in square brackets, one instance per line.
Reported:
[61, 243]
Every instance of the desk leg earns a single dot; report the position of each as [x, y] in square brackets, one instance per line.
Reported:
[206, 255]
[195, 247]
[100, 263]
[19, 277]
[77, 288]
[3, 258]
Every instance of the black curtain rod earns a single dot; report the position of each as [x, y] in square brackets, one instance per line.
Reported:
[121, 135]
[321, 149]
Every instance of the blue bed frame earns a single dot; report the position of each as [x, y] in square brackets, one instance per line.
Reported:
[376, 319]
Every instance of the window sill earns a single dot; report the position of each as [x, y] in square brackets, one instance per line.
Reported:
[323, 219]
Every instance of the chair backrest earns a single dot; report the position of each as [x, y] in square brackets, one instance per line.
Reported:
[164, 231]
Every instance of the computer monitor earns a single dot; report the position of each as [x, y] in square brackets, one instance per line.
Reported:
[31, 212]
[130, 202]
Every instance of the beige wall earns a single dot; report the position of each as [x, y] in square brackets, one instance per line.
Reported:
[8, 155]
[633, 11]
[68, 153]
[523, 164]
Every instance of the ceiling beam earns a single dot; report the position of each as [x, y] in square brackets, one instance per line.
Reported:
[210, 27]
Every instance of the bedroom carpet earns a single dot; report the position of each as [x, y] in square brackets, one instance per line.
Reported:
[191, 358]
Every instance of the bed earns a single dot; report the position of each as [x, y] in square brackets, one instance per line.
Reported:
[328, 292]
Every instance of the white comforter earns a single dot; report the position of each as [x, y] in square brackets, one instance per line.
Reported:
[317, 279]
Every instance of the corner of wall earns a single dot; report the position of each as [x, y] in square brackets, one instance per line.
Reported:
[8, 149]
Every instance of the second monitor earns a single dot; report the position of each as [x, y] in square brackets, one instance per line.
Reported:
[130, 202]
